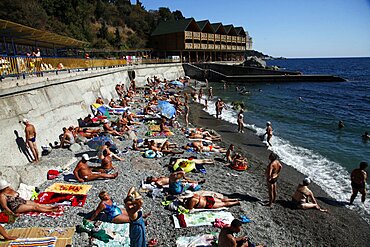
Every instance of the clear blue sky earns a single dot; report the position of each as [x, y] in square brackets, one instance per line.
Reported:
[288, 28]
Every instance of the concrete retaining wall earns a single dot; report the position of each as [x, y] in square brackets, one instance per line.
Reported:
[59, 102]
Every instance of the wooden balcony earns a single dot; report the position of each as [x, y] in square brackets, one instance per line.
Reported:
[239, 39]
[217, 37]
[243, 39]
[217, 47]
[233, 38]
[204, 36]
[211, 46]
[204, 46]
[211, 37]
[196, 46]
[188, 45]
[196, 35]
[233, 47]
[224, 38]
[224, 47]
[188, 35]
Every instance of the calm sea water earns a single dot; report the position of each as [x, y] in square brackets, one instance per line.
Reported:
[305, 117]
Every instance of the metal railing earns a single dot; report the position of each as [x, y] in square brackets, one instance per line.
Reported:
[22, 66]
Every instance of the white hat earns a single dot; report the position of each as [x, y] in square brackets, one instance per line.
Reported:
[3, 184]
[188, 193]
[85, 157]
[306, 181]
[268, 123]
[105, 121]
[25, 120]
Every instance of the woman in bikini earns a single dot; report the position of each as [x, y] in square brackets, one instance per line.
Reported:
[209, 202]
[114, 213]
[11, 202]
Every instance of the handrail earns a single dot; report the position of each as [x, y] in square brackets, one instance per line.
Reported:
[22, 66]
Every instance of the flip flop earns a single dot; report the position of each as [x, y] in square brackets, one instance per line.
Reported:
[244, 219]
[153, 242]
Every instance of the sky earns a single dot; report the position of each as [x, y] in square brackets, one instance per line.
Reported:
[288, 28]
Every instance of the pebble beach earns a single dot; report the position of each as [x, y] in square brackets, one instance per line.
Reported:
[280, 225]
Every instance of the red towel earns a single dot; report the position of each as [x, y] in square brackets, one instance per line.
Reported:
[52, 197]
[181, 219]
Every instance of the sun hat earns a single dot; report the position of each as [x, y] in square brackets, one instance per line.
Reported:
[105, 121]
[3, 184]
[85, 157]
[25, 120]
[306, 181]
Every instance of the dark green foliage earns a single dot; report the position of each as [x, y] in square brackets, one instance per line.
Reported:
[101, 22]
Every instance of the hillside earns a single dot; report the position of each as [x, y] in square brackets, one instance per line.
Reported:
[109, 24]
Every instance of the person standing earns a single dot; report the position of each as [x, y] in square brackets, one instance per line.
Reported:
[358, 182]
[219, 107]
[186, 113]
[240, 121]
[133, 204]
[200, 95]
[268, 132]
[272, 174]
[210, 93]
[30, 132]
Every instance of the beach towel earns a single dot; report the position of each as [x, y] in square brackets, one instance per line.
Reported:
[65, 199]
[63, 235]
[51, 214]
[34, 242]
[201, 219]
[75, 189]
[119, 232]
[205, 240]
[155, 128]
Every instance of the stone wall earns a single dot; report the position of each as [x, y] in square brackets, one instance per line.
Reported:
[60, 102]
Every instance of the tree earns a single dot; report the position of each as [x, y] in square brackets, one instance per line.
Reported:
[103, 31]
[117, 39]
[178, 15]
[165, 14]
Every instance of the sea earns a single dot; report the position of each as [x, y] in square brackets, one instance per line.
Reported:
[305, 116]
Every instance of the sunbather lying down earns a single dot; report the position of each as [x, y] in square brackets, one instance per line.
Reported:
[200, 147]
[196, 161]
[209, 202]
[203, 134]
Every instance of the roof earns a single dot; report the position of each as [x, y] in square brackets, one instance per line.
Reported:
[174, 26]
[218, 27]
[230, 29]
[29, 36]
[239, 30]
[205, 25]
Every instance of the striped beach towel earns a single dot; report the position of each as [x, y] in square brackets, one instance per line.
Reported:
[34, 242]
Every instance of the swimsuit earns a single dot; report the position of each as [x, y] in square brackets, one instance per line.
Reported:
[358, 186]
[137, 232]
[14, 203]
[176, 188]
[112, 211]
[273, 180]
[33, 139]
[210, 201]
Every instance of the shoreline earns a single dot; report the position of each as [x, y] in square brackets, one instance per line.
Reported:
[340, 226]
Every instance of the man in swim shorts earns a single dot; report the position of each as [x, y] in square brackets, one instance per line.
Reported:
[272, 173]
[31, 139]
[358, 182]
[176, 186]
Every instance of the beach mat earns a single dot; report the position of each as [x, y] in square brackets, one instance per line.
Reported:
[155, 128]
[75, 189]
[63, 235]
[202, 218]
[34, 242]
[119, 232]
[205, 240]
[65, 199]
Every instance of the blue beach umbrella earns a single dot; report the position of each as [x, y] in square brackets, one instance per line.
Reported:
[177, 83]
[166, 109]
[99, 141]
